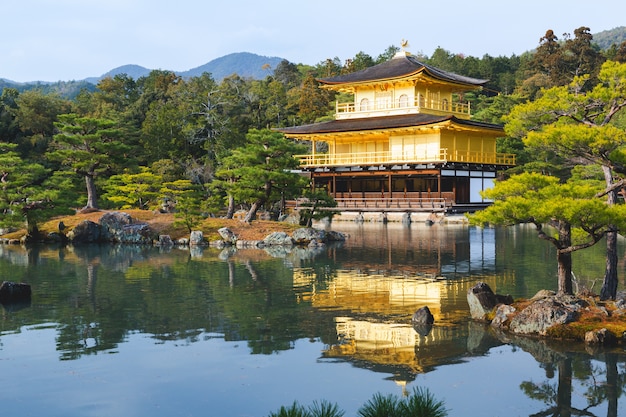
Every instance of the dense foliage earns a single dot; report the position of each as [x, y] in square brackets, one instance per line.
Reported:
[111, 146]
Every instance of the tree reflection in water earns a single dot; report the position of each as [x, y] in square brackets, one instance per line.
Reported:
[576, 371]
[355, 301]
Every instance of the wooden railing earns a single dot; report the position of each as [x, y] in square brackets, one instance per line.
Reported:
[379, 204]
[388, 158]
[401, 106]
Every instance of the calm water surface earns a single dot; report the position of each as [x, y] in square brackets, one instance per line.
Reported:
[138, 331]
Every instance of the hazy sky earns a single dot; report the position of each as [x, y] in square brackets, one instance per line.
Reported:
[52, 40]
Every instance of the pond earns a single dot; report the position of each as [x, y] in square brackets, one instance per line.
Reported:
[143, 331]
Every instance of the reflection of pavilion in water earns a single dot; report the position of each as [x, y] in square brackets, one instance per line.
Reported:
[383, 277]
[451, 251]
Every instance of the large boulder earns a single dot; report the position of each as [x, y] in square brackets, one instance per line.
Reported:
[112, 223]
[502, 316]
[165, 241]
[196, 238]
[137, 233]
[119, 227]
[305, 235]
[334, 236]
[601, 337]
[228, 236]
[542, 314]
[11, 292]
[85, 232]
[278, 239]
[481, 300]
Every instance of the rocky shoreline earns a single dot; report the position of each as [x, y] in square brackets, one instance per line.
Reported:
[547, 315]
[550, 315]
[120, 228]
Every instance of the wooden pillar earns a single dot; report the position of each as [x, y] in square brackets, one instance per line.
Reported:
[439, 183]
[390, 189]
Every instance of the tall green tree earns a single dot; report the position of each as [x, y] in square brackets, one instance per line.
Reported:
[566, 215]
[9, 129]
[25, 197]
[207, 124]
[387, 54]
[260, 173]
[580, 126]
[288, 74]
[134, 189]
[90, 147]
[314, 102]
[36, 114]
[556, 63]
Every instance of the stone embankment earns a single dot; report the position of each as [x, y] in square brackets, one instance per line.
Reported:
[552, 315]
[120, 227]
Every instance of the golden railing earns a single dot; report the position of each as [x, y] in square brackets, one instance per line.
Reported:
[379, 204]
[388, 158]
[402, 106]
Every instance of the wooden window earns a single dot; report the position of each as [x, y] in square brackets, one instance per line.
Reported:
[403, 101]
[421, 100]
[364, 105]
[383, 100]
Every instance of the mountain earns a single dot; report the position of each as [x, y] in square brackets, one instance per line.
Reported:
[607, 38]
[244, 64]
[66, 89]
[133, 71]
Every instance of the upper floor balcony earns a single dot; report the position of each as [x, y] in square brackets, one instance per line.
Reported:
[402, 105]
[399, 158]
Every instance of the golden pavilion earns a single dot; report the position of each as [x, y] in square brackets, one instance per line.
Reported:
[405, 142]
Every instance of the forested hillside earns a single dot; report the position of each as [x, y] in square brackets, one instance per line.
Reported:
[197, 145]
[244, 64]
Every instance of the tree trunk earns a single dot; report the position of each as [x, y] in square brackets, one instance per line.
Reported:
[251, 215]
[231, 207]
[92, 194]
[564, 260]
[564, 272]
[564, 389]
[613, 391]
[609, 285]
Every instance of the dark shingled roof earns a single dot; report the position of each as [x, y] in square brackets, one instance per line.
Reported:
[383, 122]
[397, 67]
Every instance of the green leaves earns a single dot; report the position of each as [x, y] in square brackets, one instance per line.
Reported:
[261, 171]
[421, 403]
[540, 199]
[25, 196]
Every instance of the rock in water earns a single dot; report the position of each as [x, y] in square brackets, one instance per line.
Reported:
[539, 316]
[196, 238]
[305, 235]
[228, 236]
[481, 300]
[278, 239]
[423, 316]
[423, 321]
[14, 291]
[85, 232]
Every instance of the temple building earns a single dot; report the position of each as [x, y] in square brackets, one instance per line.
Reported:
[405, 142]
